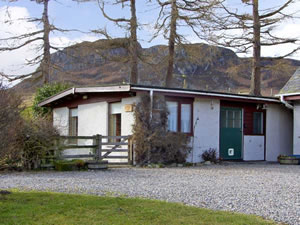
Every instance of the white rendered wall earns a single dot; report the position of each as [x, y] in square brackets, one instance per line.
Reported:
[92, 120]
[254, 148]
[61, 120]
[279, 131]
[127, 118]
[206, 125]
[127, 121]
[296, 146]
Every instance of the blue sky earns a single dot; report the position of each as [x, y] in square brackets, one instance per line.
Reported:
[87, 16]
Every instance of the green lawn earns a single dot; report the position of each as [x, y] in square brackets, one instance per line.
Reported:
[62, 209]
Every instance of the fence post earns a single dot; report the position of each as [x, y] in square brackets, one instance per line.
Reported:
[130, 151]
[99, 147]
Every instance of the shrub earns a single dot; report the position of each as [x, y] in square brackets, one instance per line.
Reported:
[36, 141]
[209, 155]
[69, 165]
[153, 143]
[10, 123]
[24, 142]
[43, 93]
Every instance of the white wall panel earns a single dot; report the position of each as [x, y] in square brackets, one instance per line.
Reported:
[254, 148]
[296, 150]
[279, 131]
[206, 126]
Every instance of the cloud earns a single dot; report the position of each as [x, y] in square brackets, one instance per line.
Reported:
[12, 23]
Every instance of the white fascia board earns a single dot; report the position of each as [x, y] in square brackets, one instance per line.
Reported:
[56, 97]
[208, 94]
[122, 88]
[288, 94]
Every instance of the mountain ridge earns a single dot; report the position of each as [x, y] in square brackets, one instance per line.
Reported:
[204, 67]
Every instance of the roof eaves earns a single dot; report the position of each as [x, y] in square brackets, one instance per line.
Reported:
[205, 93]
[103, 89]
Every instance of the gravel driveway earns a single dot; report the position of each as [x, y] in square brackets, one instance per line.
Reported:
[268, 190]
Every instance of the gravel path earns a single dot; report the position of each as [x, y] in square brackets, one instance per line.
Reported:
[268, 190]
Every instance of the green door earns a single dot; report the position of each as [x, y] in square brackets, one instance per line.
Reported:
[231, 133]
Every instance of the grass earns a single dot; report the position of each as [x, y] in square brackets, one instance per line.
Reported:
[64, 209]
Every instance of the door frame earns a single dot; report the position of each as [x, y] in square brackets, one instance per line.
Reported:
[242, 127]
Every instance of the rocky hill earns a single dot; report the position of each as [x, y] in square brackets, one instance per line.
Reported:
[204, 67]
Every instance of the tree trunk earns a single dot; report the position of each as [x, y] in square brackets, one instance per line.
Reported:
[255, 88]
[174, 14]
[45, 65]
[133, 45]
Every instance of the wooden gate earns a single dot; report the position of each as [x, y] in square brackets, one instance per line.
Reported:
[115, 149]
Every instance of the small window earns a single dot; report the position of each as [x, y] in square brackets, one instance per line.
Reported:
[231, 118]
[180, 115]
[186, 117]
[115, 121]
[73, 122]
[258, 121]
[173, 116]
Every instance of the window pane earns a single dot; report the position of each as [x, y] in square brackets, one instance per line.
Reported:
[73, 122]
[73, 126]
[258, 123]
[230, 114]
[186, 116]
[237, 119]
[230, 123]
[114, 126]
[173, 116]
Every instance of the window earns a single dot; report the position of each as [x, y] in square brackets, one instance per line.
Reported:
[186, 118]
[231, 118]
[258, 120]
[173, 116]
[115, 121]
[180, 115]
[73, 122]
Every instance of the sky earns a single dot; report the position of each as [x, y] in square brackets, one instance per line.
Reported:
[87, 16]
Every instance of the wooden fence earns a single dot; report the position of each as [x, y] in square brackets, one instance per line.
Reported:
[100, 147]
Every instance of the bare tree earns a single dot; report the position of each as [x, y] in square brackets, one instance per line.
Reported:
[193, 14]
[42, 35]
[245, 31]
[131, 25]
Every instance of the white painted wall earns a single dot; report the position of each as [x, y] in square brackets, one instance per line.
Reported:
[93, 119]
[296, 146]
[254, 148]
[206, 127]
[127, 118]
[61, 120]
[279, 131]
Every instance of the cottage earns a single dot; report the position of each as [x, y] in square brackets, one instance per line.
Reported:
[238, 127]
[290, 96]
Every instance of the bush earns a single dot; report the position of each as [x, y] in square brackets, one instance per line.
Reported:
[153, 143]
[43, 93]
[10, 122]
[69, 165]
[36, 140]
[23, 142]
[209, 155]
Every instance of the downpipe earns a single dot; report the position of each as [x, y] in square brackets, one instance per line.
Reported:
[288, 105]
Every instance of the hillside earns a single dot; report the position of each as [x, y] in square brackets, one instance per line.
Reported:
[205, 67]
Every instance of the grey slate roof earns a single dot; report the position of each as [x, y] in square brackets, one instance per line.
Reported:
[293, 85]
